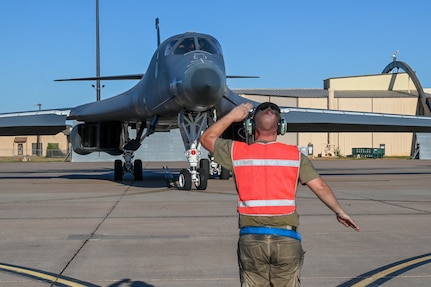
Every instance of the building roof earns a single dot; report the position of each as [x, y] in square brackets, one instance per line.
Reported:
[375, 94]
[322, 93]
[295, 93]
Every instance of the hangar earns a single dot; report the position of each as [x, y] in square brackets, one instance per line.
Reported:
[380, 93]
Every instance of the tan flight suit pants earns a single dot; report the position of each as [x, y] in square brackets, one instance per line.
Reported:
[269, 260]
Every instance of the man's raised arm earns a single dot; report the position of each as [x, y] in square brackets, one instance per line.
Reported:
[237, 114]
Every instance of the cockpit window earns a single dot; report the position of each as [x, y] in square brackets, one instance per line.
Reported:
[207, 45]
[169, 47]
[185, 46]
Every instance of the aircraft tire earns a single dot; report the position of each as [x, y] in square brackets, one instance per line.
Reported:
[204, 164]
[118, 170]
[203, 179]
[185, 180]
[224, 173]
[137, 170]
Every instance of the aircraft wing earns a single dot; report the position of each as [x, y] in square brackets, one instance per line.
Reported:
[315, 120]
[105, 78]
[46, 122]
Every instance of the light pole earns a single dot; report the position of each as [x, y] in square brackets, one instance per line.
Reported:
[97, 53]
[38, 143]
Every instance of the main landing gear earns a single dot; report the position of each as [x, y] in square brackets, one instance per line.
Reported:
[134, 168]
[216, 169]
[130, 166]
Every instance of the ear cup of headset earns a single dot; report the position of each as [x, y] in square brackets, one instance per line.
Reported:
[282, 127]
[249, 126]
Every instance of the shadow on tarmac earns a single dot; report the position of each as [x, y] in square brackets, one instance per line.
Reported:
[152, 178]
[130, 283]
[48, 277]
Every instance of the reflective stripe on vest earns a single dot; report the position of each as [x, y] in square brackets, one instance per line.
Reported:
[256, 203]
[266, 176]
[267, 162]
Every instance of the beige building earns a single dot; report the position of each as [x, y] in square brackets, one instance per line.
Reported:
[27, 146]
[381, 93]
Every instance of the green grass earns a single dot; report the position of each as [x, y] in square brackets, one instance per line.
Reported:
[30, 159]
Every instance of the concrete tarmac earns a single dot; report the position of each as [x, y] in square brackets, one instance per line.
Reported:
[70, 224]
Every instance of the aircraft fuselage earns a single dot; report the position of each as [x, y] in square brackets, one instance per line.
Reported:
[186, 72]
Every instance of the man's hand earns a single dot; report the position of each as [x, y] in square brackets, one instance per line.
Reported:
[325, 194]
[237, 114]
[240, 112]
[345, 219]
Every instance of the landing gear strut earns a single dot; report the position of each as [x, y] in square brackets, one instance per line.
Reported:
[191, 125]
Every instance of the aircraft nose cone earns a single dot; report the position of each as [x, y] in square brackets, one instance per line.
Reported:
[203, 85]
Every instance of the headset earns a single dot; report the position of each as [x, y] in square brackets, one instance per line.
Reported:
[249, 124]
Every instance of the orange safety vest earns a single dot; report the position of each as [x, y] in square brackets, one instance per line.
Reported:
[266, 176]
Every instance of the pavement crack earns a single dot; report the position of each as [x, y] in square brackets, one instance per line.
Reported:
[59, 275]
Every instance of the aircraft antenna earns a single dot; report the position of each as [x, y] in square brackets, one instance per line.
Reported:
[394, 55]
[158, 32]
[97, 53]
[394, 58]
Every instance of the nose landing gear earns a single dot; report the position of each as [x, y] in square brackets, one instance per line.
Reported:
[194, 175]
[191, 127]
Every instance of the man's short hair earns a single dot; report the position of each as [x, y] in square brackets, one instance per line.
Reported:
[267, 117]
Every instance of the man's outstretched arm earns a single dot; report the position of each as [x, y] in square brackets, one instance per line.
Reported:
[325, 194]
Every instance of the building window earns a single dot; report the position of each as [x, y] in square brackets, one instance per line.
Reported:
[36, 149]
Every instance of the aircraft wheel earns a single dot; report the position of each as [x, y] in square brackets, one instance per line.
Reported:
[185, 180]
[118, 170]
[225, 173]
[202, 182]
[204, 164]
[137, 170]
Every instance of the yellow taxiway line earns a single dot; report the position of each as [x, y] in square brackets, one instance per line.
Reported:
[365, 282]
[40, 275]
[391, 269]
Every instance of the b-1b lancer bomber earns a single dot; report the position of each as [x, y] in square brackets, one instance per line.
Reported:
[184, 87]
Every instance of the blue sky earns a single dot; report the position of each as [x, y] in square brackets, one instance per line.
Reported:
[289, 44]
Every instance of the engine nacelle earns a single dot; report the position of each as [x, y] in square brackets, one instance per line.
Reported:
[95, 137]
[236, 132]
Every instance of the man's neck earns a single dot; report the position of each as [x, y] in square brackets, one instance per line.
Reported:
[265, 139]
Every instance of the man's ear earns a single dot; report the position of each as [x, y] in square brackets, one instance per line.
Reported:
[256, 133]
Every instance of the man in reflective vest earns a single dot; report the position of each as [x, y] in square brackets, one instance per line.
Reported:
[266, 173]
